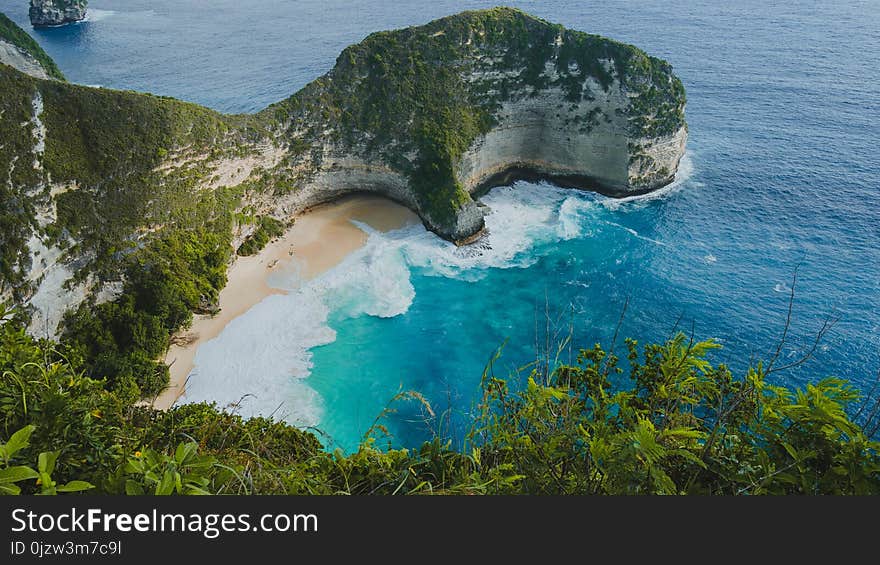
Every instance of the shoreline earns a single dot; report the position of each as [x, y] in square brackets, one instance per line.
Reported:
[319, 239]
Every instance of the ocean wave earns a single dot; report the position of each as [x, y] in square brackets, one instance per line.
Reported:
[685, 171]
[781, 287]
[519, 218]
[257, 364]
[571, 217]
[95, 15]
[374, 280]
[633, 232]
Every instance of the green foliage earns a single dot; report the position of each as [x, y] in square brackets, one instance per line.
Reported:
[658, 107]
[72, 413]
[105, 148]
[684, 427]
[268, 228]
[45, 468]
[10, 32]
[9, 475]
[96, 432]
[112, 157]
[673, 423]
[123, 340]
[184, 472]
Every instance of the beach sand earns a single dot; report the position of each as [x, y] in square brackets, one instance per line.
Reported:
[318, 240]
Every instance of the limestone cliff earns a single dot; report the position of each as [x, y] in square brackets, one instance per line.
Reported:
[430, 116]
[56, 12]
[20, 51]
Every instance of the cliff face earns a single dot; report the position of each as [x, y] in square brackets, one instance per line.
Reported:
[429, 116]
[434, 114]
[20, 51]
[56, 12]
[86, 184]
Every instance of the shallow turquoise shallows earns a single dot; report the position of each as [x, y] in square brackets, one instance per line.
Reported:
[782, 173]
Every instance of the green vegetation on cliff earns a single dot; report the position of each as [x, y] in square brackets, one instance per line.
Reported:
[104, 148]
[267, 229]
[16, 154]
[124, 340]
[408, 91]
[120, 212]
[113, 158]
[13, 34]
[673, 423]
[168, 242]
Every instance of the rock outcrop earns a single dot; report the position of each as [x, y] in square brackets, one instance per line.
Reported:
[21, 60]
[433, 115]
[45, 13]
[21, 52]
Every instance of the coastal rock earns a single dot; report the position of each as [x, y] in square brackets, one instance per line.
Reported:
[56, 12]
[434, 115]
[21, 52]
[21, 60]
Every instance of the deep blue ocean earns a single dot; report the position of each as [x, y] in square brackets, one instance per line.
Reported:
[782, 173]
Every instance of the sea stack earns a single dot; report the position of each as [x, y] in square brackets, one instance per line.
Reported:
[45, 13]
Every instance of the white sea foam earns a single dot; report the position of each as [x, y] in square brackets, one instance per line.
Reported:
[519, 218]
[262, 358]
[682, 176]
[374, 280]
[781, 287]
[633, 232]
[571, 223]
[95, 15]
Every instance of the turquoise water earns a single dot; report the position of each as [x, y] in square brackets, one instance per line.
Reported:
[782, 172]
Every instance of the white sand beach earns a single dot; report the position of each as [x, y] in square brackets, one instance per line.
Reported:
[318, 240]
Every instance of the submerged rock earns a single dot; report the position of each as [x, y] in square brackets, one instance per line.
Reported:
[56, 12]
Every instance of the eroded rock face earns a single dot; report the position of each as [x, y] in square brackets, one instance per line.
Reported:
[21, 52]
[433, 115]
[56, 12]
[21, 60]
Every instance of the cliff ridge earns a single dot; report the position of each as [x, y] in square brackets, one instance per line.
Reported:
[20, 51]
[432, 115]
